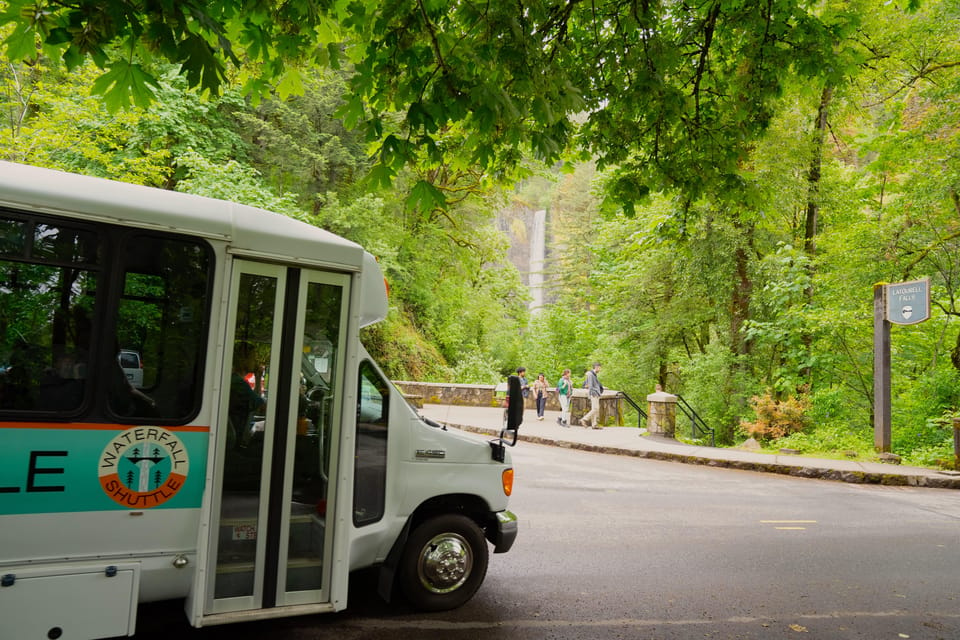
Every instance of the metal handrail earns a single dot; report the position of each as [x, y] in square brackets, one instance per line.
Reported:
[696, 422]
[642, 414]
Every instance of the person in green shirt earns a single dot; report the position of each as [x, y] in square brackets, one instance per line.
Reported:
[565, 393]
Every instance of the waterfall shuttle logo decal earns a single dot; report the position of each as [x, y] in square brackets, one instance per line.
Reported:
[143, 467]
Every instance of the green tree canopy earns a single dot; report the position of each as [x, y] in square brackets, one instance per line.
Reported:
[671, 93]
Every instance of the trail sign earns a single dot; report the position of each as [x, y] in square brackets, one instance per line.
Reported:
[908, 302]
[901, 303]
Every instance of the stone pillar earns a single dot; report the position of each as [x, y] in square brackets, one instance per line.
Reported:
[956, 443]
[662, 416]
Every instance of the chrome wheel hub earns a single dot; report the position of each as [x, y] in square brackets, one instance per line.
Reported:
[445, 563]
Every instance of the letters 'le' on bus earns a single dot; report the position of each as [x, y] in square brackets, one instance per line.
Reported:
[248, 458]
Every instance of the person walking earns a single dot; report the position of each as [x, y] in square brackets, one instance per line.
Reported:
[540, 387]
[524, 385]
[594, 390]
[564, 393]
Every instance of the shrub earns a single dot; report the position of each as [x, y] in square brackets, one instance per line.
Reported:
[826, 438]
[938, 456]
[842, 410]
[776, 418]
[717, 388]
[476, 368]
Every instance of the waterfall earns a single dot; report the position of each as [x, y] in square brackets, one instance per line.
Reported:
[538, 246]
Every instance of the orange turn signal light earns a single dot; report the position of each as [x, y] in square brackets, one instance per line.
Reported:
[507, 479]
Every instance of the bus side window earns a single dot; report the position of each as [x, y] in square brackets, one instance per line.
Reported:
[370, 477]
[63, 356]
[49, 278]
[161, 327]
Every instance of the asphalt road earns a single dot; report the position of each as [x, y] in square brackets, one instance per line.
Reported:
[617, 547]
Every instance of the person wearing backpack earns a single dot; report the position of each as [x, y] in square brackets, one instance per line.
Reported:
[594, 390]
[564, 393]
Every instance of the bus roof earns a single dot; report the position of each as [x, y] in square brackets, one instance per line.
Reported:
[251, 232]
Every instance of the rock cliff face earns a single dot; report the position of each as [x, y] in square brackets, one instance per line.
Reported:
[515, 222]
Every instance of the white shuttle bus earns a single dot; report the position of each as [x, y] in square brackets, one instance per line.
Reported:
[259, 457]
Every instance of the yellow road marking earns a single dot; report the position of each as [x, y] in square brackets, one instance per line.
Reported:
[788, 522]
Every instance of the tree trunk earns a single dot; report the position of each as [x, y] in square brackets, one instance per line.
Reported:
[955, 354]
[814, 174]
[811, 222]
[741, 294]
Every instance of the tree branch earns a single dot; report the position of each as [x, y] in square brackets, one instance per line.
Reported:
[708, 29]
[929, 248]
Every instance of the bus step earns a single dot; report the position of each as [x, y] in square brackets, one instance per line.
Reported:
[235, 579]
[247, 566]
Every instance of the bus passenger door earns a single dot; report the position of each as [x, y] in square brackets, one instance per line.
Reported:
[269, 545]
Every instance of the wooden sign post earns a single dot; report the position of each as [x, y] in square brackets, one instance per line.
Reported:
[901, 303]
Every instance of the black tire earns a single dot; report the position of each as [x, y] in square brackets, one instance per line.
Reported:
[444, 563]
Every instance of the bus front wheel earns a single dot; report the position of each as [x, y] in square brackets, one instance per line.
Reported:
[444, 563]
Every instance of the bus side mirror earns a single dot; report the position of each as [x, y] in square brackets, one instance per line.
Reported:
[514, 404]
[513, 416]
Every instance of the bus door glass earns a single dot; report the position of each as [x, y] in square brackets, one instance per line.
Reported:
[247, 422]
[280, 408]
[308, 492]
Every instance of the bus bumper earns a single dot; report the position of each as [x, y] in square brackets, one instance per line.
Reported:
[505, 533]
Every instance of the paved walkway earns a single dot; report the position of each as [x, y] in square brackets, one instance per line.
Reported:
[629, 441]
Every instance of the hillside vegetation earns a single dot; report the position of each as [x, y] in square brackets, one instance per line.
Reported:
[719, 208]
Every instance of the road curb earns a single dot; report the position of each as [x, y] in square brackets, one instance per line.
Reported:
[796, 470]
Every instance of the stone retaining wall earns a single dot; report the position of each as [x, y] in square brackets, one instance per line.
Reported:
[468, 395]
[485, 395]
